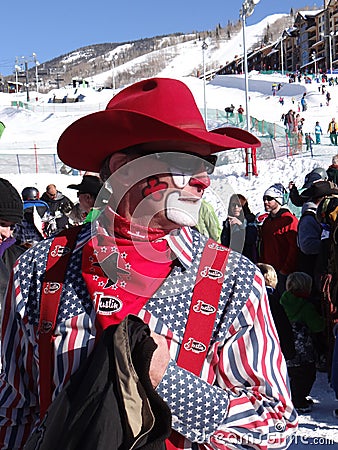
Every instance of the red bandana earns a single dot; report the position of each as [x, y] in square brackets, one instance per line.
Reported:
[123, 271]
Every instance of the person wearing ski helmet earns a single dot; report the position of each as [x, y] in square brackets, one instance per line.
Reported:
[35, 217]
[30, 193]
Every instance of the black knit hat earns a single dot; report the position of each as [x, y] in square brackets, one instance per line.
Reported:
[11, 207]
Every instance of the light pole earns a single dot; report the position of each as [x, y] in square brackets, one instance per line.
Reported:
[36, 72]
[17, 69]
[313, 56]
[247, 9]
[282, 54]
[330, 36]
[204, 47]
[115, 56]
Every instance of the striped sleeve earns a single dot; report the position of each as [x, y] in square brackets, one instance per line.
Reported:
[18, 390]
[248, 403]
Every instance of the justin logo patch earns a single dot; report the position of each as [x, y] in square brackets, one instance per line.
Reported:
[194, 346]
[51, 288]
[215, 246]
[45, 327]
[203, 308]
[211, 273]
[59, 250]
[107, 305]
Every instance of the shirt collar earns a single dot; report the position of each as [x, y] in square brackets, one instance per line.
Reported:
[180, 240]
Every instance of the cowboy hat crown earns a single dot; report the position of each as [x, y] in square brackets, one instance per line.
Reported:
[158, 113]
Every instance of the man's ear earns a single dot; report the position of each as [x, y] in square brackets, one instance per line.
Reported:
[119, 168]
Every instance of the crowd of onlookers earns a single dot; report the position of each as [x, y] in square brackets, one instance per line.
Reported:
[291, 250]
[29, 218]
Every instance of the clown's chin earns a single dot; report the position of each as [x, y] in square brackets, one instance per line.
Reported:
[183, 212]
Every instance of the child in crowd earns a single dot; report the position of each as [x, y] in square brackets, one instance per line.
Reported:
[305, 321]
[280, 318]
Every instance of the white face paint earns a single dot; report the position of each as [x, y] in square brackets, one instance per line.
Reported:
[180, 178]
[182, 210]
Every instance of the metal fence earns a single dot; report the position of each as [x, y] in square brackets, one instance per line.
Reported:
[41, 157]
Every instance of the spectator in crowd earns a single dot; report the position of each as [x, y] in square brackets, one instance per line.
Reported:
[240, 112]
[318, 132]
[328, 98]
[239, 229]
[59, 207]
[280, 318]
[229, 110]
[316, 174]
[332, 171]
[88, 190]
[309, 233]
[35, 218]
[278, 245]
[289, 121]
[334, 368]
[11, 213]
[332, 130]
[208, 223]
[303, 102]
[305, 320]
[309, 142]
[143, 259]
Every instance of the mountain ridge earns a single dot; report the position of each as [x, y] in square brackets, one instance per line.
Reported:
[114, 59]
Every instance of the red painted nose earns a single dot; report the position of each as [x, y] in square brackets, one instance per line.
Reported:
[200, 182]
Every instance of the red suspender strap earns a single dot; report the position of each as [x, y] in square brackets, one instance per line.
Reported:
[58, 257]
[203, 307]
[202, 315]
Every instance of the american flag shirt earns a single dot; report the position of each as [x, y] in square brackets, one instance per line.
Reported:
[240, 400]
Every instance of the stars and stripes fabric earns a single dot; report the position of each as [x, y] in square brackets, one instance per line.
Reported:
[241, 398]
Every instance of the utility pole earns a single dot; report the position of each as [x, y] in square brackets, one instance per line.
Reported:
[26, 72]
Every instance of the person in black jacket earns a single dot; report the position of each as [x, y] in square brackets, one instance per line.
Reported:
[59, 207]
[239, 229]
[11, 213]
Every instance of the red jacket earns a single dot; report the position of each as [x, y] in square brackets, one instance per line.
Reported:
[279, 241]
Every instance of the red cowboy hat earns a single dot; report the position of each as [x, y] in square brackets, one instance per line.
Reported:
[159, 113]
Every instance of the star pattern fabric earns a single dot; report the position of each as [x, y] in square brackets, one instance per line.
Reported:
[243, 379]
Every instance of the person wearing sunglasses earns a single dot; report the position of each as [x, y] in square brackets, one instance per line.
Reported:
[60, 207]
[278, 235]
[217, 362]
[239, 229]
[11, 213]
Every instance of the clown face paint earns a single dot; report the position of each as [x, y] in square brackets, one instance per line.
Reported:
[180, 178]
[182, 209]
[155, 188]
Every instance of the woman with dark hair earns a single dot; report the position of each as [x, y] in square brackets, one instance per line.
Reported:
[239, 229]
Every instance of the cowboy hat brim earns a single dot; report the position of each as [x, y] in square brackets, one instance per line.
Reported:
[239, 134]
[87, 142]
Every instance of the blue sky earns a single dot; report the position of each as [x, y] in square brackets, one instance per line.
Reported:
[51, 29]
